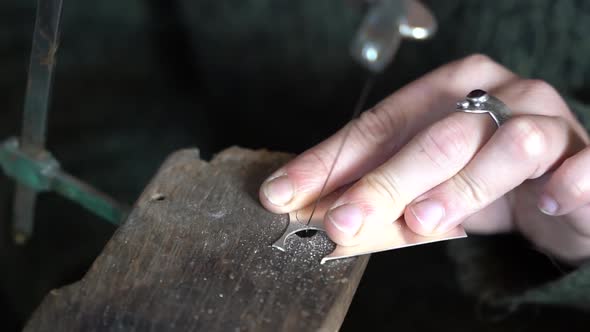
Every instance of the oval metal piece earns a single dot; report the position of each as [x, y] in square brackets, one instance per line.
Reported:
[386, 23]
[419, 22]
[378, 38]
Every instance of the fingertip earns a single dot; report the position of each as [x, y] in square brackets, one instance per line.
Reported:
[548, 205]
[268, 205]
[338, 236]
[424, 217]
[414, 224]
[568, 187]
[276, 193]
[343, 223]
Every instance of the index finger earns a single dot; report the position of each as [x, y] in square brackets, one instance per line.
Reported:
[378, 133]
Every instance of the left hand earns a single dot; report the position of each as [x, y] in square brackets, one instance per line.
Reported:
[411, 157]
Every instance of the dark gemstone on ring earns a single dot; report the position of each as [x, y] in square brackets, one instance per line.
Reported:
[477, 96]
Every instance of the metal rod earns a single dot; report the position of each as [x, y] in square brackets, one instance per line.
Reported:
[41, 66]
[37, 99]
[89, 198]
[23, 213]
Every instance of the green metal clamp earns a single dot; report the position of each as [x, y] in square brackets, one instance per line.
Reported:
[42, 173]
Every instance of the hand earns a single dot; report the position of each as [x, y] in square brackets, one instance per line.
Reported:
[412, 157]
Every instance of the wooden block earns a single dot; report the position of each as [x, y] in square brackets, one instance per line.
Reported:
[195, 255]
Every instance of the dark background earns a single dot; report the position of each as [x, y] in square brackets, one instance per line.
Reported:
[138, 79]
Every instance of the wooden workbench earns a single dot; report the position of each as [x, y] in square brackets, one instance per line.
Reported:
[195, 255]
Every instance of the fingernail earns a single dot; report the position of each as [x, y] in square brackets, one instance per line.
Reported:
[279, 191]
[429, 213]
[548, 205]
[347, 218]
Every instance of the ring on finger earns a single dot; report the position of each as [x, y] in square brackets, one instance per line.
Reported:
[479, 101]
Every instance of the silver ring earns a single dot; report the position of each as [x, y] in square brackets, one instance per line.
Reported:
[479, 101]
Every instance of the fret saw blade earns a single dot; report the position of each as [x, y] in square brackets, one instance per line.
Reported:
[357, 111]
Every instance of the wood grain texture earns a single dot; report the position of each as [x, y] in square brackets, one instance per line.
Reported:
[195, 255]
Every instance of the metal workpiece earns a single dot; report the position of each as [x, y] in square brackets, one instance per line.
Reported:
[395, 235]
[386, 23]
[293, 227]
